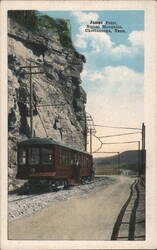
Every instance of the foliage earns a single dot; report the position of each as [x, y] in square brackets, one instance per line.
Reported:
[47, 22]
[27, 18]
[32, 20]
[134, 167]
[108, 167]
[60, 26]
[107, 171]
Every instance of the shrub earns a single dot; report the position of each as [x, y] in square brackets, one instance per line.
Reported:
[27, 18]
[32, 20]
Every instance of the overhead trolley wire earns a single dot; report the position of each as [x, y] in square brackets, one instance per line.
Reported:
[120, 134]
[105, 126]
[100, 142]
[41, 120]
[119, 142]
[106, 152]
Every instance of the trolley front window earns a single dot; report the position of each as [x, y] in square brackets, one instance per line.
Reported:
[33, 156]
[47, 157]
[22, 156]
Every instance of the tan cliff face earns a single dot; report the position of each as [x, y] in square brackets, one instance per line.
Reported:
[58, 98]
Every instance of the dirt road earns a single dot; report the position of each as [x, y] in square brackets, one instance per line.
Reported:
[85, 218]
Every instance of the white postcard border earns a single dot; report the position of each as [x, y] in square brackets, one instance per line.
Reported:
[150, 10]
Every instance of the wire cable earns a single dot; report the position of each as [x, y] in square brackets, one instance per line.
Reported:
[120, 142]
[119, 134]
[106, 152]
[100, 145]
[105, 126]
[41, 120]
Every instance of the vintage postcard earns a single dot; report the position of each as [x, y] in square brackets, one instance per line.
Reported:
[78, 125]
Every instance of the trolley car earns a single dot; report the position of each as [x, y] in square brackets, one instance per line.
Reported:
[45, 162]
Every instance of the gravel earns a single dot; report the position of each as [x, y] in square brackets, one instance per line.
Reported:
[25, 205]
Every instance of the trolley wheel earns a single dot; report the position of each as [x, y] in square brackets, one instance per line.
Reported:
[83, 181]
[57, 184]
[51, 186]
[65, 183]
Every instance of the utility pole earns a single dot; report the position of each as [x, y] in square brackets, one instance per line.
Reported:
[89, 129]
[139, 160]
[143, 161]
[85, 133]
[118, 160]
[143, 136]
[30, 73]
[113, 162]
[90, 140]
[31, 101]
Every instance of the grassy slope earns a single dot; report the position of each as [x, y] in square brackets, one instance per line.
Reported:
[109, 165]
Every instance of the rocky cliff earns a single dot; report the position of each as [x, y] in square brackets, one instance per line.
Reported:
[58, 98]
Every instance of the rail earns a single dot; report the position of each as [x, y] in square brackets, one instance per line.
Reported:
[129, 216]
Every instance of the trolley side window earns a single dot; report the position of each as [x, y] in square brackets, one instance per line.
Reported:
[47, 157]
[84, 161]
[33, 156]
[67, 158]
[60, 157]
[87, 162]
[22, 156]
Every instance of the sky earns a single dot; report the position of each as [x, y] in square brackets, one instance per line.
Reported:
[113, 75]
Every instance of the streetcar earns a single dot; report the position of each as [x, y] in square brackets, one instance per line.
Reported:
[45, 162]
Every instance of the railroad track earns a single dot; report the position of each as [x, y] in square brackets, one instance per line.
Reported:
[28, 204]
[130, 223]
[29, 197]
[25, 198]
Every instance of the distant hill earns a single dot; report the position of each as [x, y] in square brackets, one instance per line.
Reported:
[127, 160]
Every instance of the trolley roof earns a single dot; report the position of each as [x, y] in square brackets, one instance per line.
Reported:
[47, 141]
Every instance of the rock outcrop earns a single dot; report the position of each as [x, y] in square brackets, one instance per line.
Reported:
[58, 98]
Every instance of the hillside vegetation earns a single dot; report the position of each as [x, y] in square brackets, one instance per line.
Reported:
[128, 160]
[34, 21]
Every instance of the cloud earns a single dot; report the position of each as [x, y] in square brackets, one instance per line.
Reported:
[96, 76]
[114, 96]
[83, 39]
[114, 93]
[95, 41]
[84, 73]
[100, 42]
[114, 78]
[136, 37]
[122, 75]
[81, 42]
[85, 17]
[124, 51]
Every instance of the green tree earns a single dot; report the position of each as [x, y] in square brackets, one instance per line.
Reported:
[32, 20]
[27, 18]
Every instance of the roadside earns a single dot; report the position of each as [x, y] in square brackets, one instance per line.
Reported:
[89, 217]
[130, 223]
[27, 204]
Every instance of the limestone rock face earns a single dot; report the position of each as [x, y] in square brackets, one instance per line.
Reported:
[58, 99]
